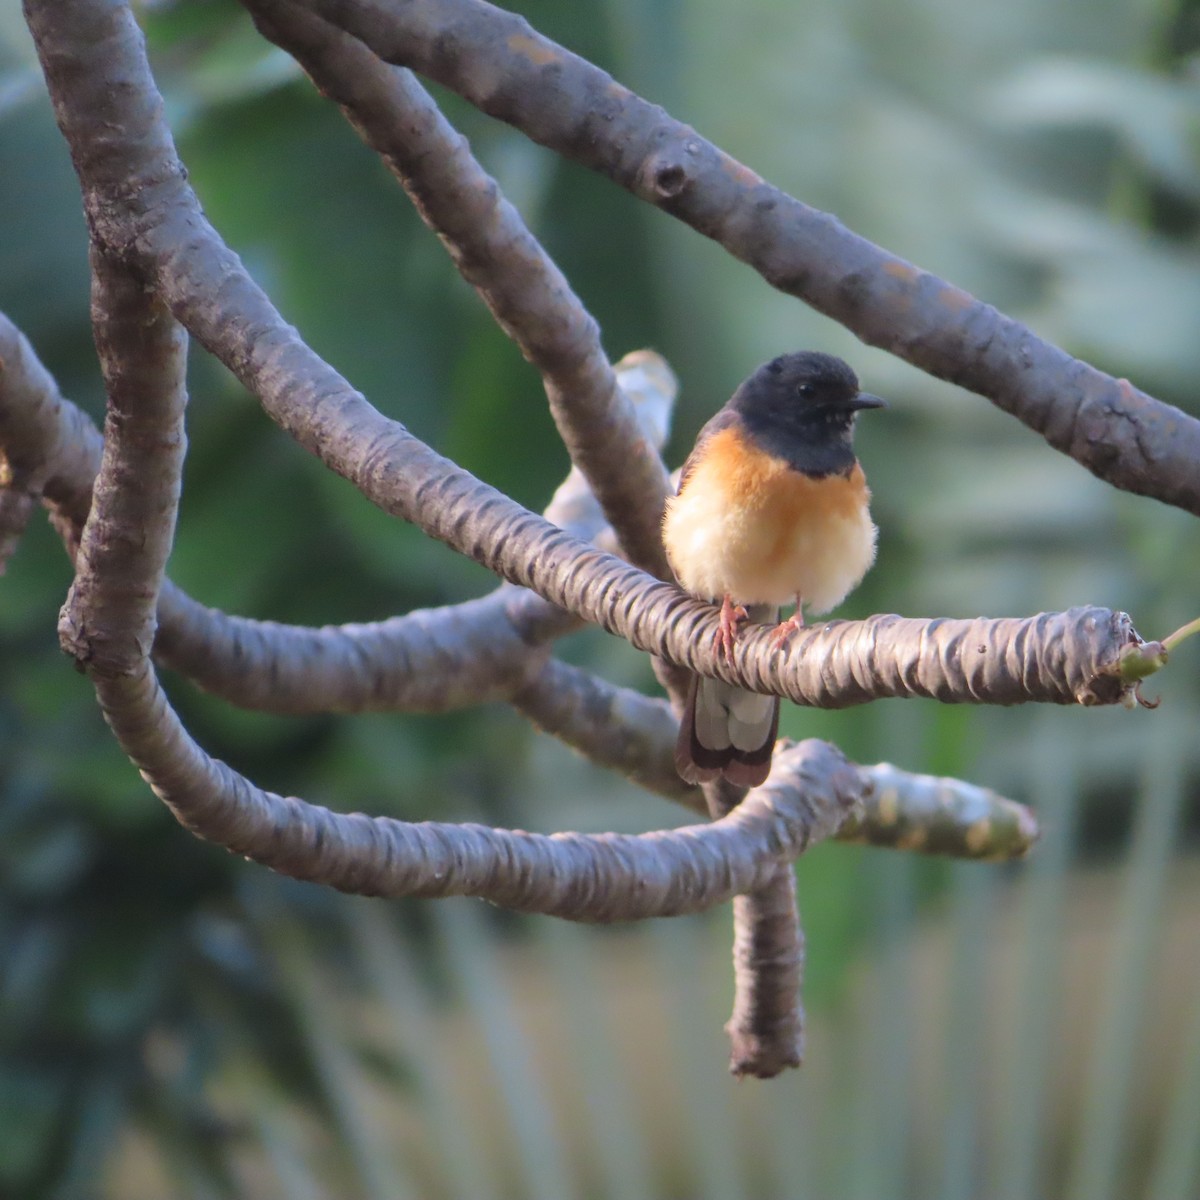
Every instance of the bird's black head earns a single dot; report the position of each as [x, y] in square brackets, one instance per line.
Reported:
[801, 407]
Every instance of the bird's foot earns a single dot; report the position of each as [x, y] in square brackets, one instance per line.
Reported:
[785, 629]
[732, 615]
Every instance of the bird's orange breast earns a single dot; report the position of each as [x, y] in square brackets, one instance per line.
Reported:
[750, 478]
[748, 524]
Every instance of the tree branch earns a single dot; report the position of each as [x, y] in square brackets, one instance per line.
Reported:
[493, 250]
[139, 204]
[52, 448]
[428, 660]
[766, 1027]
[932, 815]
[623, 730]
[147, 228]
[107, 624]
[604, 877]
[499, 63]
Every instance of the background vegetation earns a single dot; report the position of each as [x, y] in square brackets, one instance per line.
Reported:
[175, 1021]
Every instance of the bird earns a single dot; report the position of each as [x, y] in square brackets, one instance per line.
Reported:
[772, 506]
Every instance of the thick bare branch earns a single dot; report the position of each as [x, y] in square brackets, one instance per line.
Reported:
[933, 815]
[497, 61]
[766, 1027]
[623, 730]
[1059, 658]
[605, 877]
[489, 243]
[429, 660]
[107, 624]
[615, 727]
[52, 448]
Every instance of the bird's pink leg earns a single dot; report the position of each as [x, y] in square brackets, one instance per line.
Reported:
[732, 615]
[784, 629]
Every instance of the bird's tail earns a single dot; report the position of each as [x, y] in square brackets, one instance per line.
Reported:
[726, 730]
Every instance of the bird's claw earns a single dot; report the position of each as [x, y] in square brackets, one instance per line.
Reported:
[785, 629]
[732, 615]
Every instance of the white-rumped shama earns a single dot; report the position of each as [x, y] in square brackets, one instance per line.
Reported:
[772, 506]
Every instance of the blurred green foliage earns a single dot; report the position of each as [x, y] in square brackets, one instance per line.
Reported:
[160, 996]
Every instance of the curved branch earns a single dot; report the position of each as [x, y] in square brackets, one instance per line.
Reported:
[622, 730]
[500, 64]
[52, 448]
[604, 877]
[617, 728]
[428, 660]
[528, 295]
[107, 624]
[932, 815]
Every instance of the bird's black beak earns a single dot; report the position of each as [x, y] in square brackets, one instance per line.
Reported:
[866, 400]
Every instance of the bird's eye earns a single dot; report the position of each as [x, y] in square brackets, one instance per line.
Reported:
[805, 389]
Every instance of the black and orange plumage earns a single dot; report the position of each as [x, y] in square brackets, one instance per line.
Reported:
[772, 506]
